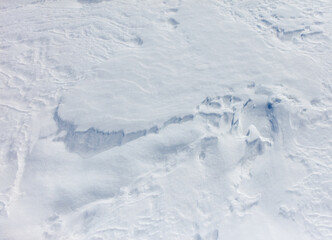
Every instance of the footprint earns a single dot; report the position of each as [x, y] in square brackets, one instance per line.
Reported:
[172, 10]
[173, 22]
[89, 1]
[138, 41]
[197, 237]
[2, 208]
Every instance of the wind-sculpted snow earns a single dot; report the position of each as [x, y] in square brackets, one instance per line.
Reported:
[305, 25]
[165, 119]
[215, 110]
[231, 159]
[93, 141]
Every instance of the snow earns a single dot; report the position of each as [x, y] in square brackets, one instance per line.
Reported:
[165, 119]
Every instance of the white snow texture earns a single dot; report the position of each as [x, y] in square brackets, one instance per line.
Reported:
[165, 119]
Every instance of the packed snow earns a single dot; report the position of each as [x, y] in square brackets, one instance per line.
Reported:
[174, 119]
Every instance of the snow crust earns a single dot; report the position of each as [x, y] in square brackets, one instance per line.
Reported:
[198, 120]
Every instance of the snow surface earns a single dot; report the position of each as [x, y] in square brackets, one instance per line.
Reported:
[174, 119]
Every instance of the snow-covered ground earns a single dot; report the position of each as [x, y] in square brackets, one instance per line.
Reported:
[198, 120]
